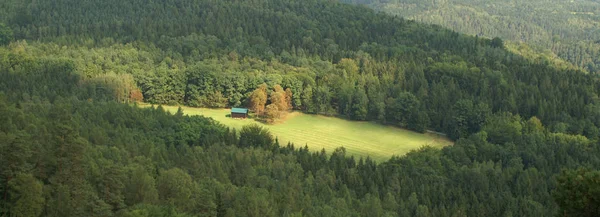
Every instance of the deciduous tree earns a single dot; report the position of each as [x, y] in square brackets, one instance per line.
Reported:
[258, 99]
[280, 99]
[272, 113]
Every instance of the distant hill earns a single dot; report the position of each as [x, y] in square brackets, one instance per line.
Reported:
[571, 29]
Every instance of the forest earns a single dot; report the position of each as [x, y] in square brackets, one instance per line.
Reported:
[569, 30]
[74, 143]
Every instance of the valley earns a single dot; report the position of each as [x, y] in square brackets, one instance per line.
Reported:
[522, 124]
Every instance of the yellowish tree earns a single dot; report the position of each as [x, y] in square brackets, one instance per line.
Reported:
[258, 99]
[281, 103]
[348, 68]
[278, 98]
[272, 113]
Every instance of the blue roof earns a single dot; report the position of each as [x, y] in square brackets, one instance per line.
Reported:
[239, 110]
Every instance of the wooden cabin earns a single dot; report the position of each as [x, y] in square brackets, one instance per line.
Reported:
[239, 113]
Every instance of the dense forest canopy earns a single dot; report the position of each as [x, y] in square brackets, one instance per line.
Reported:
[199, 52]
[570, 29]
[72, 143]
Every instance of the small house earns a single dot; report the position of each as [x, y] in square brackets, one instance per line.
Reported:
[239, 113]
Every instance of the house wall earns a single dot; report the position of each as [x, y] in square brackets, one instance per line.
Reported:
[238, 115]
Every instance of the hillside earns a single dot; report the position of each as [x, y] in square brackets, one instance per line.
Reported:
[72, 145]
[358, 64]
[571, 29]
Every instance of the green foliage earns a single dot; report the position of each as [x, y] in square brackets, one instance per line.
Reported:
[6, 34]
[255, 136]
[578, 192]
[140, 187]
[406, 111]
[360, 105]
[503, 128]
[175, 187]
[467, 118]
[497, 43]
[26, 195]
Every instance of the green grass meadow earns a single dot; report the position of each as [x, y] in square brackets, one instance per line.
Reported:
[360, 139]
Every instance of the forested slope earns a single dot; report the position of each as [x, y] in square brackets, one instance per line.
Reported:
[68, 150]
[69, 146]
[337, 59]
[571, 29]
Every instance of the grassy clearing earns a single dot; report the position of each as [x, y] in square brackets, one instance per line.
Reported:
[360, 139]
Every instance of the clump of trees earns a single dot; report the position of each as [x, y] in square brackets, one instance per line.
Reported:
[280, 102]
[258, 99]
[255, 136]
[121, 86]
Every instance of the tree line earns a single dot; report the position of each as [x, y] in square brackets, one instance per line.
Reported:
[451, 96]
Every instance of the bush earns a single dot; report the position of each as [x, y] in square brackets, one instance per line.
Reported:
[255, 136]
